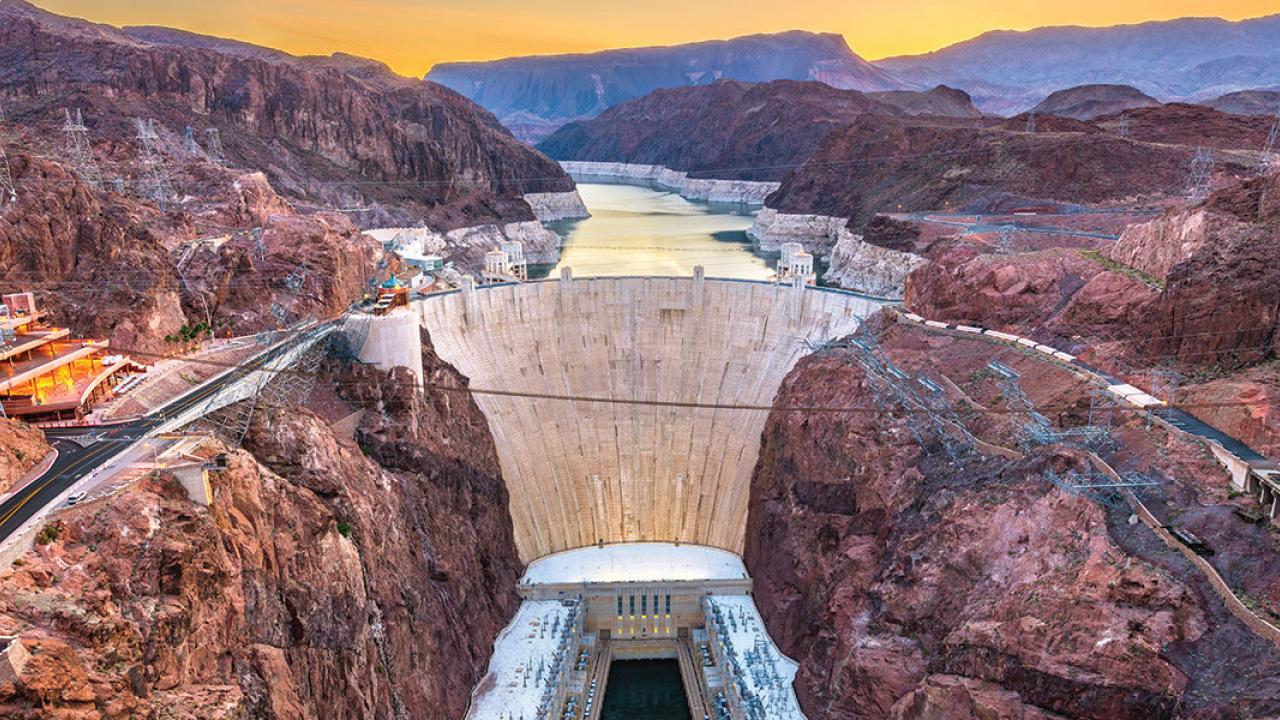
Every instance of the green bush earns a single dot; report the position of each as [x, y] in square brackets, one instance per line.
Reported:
[48, 534]
[344, 529]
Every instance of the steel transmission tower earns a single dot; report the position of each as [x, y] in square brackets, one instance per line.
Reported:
[1201, 180]
[79, 151]
[189, 141]
[1124, 126]
[154, 184]
[8, 192]
[1264, 163]
[1031, 122]
[213, 144]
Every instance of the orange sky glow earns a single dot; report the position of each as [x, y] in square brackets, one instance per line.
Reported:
[413, 35]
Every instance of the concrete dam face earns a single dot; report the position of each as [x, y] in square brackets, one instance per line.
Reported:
[582, 471]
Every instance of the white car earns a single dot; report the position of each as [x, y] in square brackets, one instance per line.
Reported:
[76, 497]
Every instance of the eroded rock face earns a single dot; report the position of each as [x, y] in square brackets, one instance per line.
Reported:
[21, 447]
[320, 128]
[109, 266]
[907, 587]
[1221, 305]
[917, 164]
[101, 269]
[1057, 293]
[727, 130]
[318, 584]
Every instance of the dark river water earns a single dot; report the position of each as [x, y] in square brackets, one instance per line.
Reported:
[636, 230]
[645, 690]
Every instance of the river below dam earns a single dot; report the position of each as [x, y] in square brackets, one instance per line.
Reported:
[638, 230]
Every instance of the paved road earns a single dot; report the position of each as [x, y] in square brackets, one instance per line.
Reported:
[74, 461]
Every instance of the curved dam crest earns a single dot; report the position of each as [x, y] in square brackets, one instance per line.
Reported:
[582, 472]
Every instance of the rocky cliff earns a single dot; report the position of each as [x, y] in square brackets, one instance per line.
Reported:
[1221, 305]
[726, 130]
[21, 447]
[336, 131]
[906, 586]
[1086, 102]
[326, 580]
[533, 96]
[110, 266]
[941, 101]
[907, 164]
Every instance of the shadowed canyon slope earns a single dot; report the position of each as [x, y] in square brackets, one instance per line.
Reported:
[327, 580]
[908, 587]
[535, 95]
[728, 130]
[338, 130]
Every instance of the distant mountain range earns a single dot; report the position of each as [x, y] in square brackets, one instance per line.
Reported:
[1190, 59]
[1005, 72]
[533, 96]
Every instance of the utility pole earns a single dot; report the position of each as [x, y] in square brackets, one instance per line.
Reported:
[79, 151]
[1264, 163]
[154, 184]
[1201, 180]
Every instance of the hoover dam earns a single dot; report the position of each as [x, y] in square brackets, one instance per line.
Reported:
[627, 414]
[675, 464]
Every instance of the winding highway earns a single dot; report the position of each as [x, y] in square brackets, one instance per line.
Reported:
[75, 461]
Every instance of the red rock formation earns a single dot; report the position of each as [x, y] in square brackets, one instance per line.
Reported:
[1221, 305]
[1056, 293]
[21, 447]
[333, 130]
[909, 587]
[100, 268]
[883, 164]
[727, 130]
[106, 265]
[317, 585]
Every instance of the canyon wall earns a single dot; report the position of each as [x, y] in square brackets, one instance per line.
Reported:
[907, 586]
[327, 579]
[817, 233]
[337, 130]
[863, 267]
[584, 471]
[550, 207]
[21, 447]
[105, 265]
[743, 192]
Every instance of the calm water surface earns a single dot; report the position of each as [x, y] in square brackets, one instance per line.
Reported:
[645, 690]
[636, 230]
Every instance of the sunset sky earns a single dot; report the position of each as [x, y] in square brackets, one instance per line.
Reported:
[413, 35]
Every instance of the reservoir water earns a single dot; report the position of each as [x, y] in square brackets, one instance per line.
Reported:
[636, 230]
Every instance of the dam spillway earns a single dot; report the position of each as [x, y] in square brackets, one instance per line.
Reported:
[583, 472]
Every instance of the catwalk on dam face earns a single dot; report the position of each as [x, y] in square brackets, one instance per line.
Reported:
[582, 472]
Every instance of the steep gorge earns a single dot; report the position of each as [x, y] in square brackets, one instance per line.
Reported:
[320, 583]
